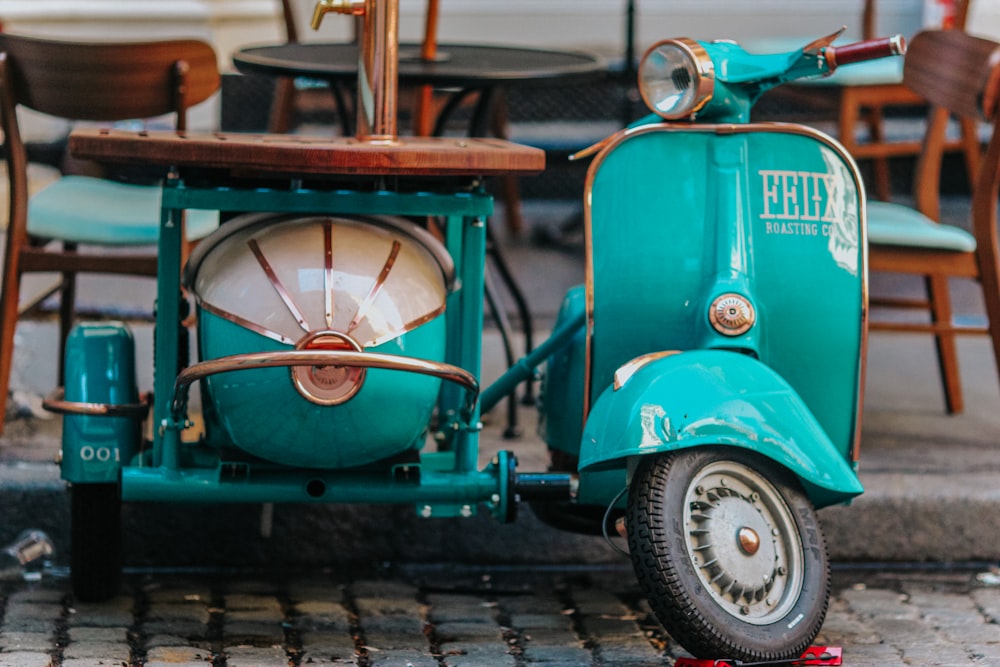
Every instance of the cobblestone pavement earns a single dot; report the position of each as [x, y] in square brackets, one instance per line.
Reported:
[435, 616]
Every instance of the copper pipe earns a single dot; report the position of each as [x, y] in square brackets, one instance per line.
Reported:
[344, 358]
[378, 75]
[56, 402]
[378, 62]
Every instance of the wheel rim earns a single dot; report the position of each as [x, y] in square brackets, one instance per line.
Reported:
[743, 542]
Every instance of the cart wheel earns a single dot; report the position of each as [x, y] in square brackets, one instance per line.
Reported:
[95, 541]
[729, 552]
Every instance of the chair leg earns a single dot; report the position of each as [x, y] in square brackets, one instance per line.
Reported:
[971, 149]
[67, 312]
[880, 164]
[8, 327]
[511, 190]
[511, 187]
[282, 106]
[947, 350]
[989, 279]
[848, 117]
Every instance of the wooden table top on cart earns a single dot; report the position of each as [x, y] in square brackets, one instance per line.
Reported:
[296, 155]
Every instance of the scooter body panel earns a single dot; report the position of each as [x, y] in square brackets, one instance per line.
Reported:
[560, 415]
[681, 215]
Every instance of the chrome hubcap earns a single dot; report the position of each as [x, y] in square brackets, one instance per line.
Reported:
[744, 543]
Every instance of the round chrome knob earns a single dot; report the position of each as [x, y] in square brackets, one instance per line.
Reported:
[732, 314]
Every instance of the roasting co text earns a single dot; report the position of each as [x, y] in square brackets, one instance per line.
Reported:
[800, 203]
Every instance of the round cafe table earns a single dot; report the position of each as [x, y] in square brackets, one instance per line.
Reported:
[463, 68]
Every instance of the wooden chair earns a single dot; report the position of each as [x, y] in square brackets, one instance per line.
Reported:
[865, 97]
[94, 82]
[283, 104]
[864, 91]
[958, 74]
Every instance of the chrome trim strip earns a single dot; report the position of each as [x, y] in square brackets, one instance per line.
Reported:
[897, 45]
[246, 324]
[274, 335]
[389, 223]
[272, 277]
[56, 402]
[424, 238]
[328, 270]
[409, 326]
[719, 128]
[377, 286]
[258, 360]
[865, 308]
[627, 370]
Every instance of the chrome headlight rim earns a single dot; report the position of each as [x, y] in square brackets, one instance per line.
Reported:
[702, 70]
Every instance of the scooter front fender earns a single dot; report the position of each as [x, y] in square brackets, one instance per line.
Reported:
[712, 398]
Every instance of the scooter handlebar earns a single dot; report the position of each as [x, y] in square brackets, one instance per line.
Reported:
[869, 49]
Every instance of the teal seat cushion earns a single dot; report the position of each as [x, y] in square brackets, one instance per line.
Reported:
[82, 209]
[898, 225]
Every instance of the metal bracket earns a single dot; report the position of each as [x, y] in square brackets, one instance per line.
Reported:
[56, 402]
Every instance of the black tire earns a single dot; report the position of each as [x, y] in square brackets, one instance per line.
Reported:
[696, 521]
[95, 541]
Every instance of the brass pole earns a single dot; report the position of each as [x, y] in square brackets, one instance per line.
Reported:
[378, 64]
[378, 75]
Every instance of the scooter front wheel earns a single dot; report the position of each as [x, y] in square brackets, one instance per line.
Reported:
[729, 552]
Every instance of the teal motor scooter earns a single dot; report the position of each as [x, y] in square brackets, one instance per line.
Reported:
[711, 399]
[702, 390]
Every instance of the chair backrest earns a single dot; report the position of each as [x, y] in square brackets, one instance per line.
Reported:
[952, 70]
[108, 81]
[959, 74]
[104, 82]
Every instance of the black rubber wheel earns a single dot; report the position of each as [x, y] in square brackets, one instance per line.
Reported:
[95, 541]
[730, 554]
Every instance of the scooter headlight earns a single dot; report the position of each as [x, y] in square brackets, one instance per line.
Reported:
[676, 78]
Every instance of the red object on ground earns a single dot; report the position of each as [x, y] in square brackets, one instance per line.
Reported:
[814, 655]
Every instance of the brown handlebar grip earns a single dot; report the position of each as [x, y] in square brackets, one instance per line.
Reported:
[867, 50]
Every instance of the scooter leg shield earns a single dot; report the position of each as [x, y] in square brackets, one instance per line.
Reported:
[100, 370]
[561, 401]
[715, 398]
